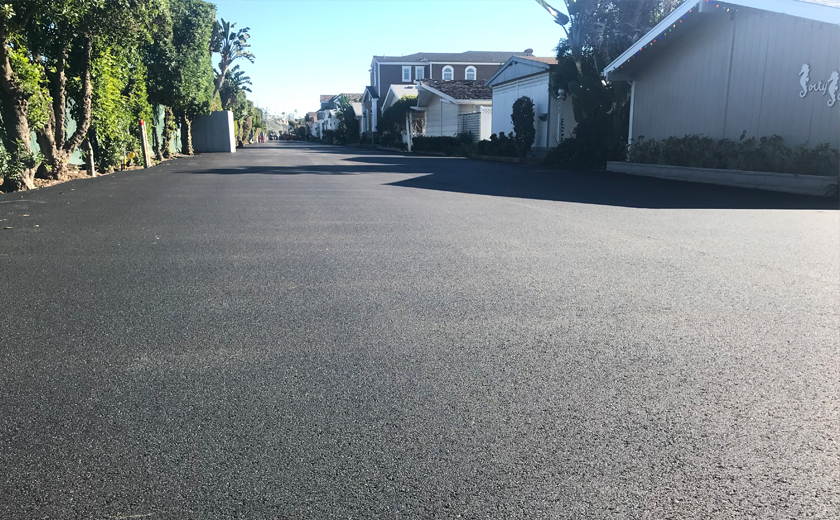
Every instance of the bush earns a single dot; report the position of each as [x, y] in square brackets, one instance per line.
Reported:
[499, 146]
[767, 154]
[589, 148]
[445, 145]
[523, 125]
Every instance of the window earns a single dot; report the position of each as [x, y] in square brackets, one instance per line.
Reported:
[448, 73]
[418, 73]
[470, 73]
[406, 74]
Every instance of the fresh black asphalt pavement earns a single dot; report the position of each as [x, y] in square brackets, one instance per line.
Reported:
[301, 331]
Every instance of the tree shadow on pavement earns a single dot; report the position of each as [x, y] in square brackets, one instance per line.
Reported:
[604, 188]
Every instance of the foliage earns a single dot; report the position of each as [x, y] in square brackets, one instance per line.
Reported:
[235, 80]
[523, 125]
[499, 145]
[348, 125]
[392, 124]
[30, 77]
[192, 28]
[597, 33]
[767, 154]
[231, 46]
[12, 165]
[443, 144]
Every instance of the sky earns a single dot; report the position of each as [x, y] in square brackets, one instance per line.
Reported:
[305, 48]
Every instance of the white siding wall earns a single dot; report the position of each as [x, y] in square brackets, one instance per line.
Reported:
[536, 88]
[741, 73]
[441, 118]
[486, 122]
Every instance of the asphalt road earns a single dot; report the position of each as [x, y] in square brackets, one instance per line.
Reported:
[310, 332]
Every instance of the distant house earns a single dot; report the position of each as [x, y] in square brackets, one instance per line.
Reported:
[311, 120]
[390, 70]
[724, 68]
[530, 76]
[452, 107]
[327, 117]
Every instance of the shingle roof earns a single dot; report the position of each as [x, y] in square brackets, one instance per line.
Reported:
[325, 98]
[454, 57]
[352, 98]
[460, 89]
[547, 60]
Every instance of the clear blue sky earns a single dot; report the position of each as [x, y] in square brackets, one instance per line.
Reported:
[309, 47]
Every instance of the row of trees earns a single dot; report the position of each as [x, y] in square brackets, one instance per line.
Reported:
[106, 64]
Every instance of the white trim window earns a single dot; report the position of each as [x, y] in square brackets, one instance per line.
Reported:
[469, 74]
[419, 72]
[406, 77]
[448, 73]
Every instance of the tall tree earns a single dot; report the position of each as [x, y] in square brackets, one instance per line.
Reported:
[192, 22]
[235, 81]
[231, 46]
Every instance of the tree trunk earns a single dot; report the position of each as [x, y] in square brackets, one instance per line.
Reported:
[186, 136]
[89, 163]
[168, 130]
[223, 68]
[87, 95]
[14, 105]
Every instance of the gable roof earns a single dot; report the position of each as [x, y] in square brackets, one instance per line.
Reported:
[531, 64]
[326, 98]
[370, 92]
[826, 11]
[457, 90]
[453, 57]
[397, 92]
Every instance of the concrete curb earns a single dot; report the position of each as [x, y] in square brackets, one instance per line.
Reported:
[783, 182]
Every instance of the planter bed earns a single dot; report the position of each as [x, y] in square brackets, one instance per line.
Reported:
[785, 182]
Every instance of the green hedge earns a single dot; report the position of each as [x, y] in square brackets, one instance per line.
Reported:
[767, 154]
[499, 145]
[445, 145]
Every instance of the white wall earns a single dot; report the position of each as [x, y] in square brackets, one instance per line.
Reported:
[441, 118]
[535, 87]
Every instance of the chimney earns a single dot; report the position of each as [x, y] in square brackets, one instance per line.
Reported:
[529, 52]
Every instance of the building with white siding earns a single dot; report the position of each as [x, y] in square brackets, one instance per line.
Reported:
[530, 76]
[722, 69]
[443, 102]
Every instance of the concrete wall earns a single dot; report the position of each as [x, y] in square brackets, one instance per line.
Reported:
[214, 133]
[741, 72]
[784, 182]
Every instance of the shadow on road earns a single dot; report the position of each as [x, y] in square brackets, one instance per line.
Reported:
[459, 175]
[605, 188]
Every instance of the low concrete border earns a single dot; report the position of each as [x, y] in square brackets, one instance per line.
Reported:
[785, 182]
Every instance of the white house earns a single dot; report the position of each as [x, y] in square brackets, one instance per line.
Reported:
[530, 76]
[455, 107]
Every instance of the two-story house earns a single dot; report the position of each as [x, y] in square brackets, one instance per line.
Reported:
[447, 66]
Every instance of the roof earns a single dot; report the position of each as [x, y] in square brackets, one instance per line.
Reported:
[397, 92]
[461, 89]
[454, 57]
[826, 11]
[352, 98]
[326, 98]
[371, 92]
[547, 60]
[530, 64]
[357, 109]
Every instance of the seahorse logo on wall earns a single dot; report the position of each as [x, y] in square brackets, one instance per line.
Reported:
[830, 88]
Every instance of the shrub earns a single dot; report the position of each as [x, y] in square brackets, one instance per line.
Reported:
[589, 148]
[523, 125]
[499, 145]
[445, 145]
[767, 154]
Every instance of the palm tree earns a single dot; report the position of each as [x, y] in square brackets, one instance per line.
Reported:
[232, 46]
[235, 80]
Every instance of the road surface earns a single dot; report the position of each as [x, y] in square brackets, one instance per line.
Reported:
[309, 332]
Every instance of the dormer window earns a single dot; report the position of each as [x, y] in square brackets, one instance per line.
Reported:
[406, 77]
[470, 73]
[448, 73]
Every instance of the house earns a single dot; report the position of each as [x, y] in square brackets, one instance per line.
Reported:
[453, 107]
[406, 70]
[327, 117]
[311, 120]
[530, 76]
[721, 69]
